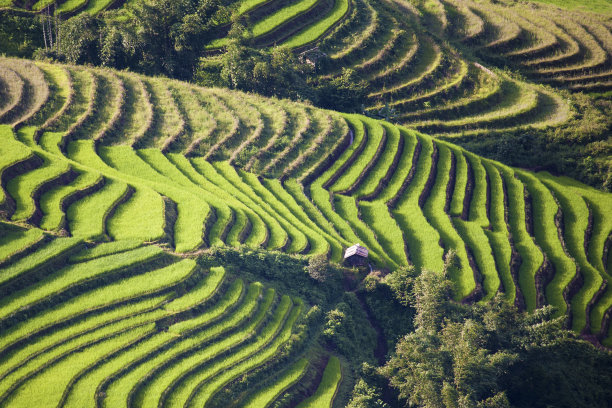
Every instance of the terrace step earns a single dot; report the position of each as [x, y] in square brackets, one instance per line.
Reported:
[276, 333]
[35, 91]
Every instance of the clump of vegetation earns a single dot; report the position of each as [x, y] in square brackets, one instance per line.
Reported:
[20, 35]
[318, 280]
[156, 37]
[279, 72]
[347, 329]
[388, 299]
[319, 268]
[275, 72]
[484, 355]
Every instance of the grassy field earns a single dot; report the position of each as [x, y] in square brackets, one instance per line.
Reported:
[93, 351]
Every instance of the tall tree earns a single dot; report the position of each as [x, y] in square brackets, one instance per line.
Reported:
[171, 33]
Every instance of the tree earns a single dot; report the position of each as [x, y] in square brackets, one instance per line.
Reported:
[348, 330]
[275, 72]
[113, 51]
[81, 39]
[345, 92]
[20, 35]
[568, 373]
[162, 36]
[155, 24]
[366, 396]
[401, 282]
[318, 268]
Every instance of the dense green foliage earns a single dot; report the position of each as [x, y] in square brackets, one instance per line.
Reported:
[489, 355]
[348, 330]
[272, 73]
[19, 34]
[153, 37]
[389, 300]
[292, 273]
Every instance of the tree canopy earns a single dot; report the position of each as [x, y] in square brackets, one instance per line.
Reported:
[484, 355]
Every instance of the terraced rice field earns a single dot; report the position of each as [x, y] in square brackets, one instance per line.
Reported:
[559, 47]
[413, 55]
[100, 197]
[410, 53]
[126, 324]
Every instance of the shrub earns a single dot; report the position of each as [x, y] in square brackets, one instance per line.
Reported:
[344, 93]
[401, 281]
[275, 72]
[19, 34]
[347, 328]
[80, 39]
[318, 268]
[366, 396]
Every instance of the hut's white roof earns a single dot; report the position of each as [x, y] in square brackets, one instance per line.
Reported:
[356, 250]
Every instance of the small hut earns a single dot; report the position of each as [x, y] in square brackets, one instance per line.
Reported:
[356, 255]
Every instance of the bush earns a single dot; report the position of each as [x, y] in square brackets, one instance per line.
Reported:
[401, 282]
[371, 390]
[366, 396]
[344, 93]
[348, 330]
[275, 72]
[394, 317]
[208, 73]
[80, 39]
[318, 268]
[20, 35]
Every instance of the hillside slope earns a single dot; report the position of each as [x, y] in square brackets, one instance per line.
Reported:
[122, 324]
[425, 58]
[103, 155]
[505, 79]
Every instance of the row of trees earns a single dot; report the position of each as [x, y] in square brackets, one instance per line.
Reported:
[155, 37]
